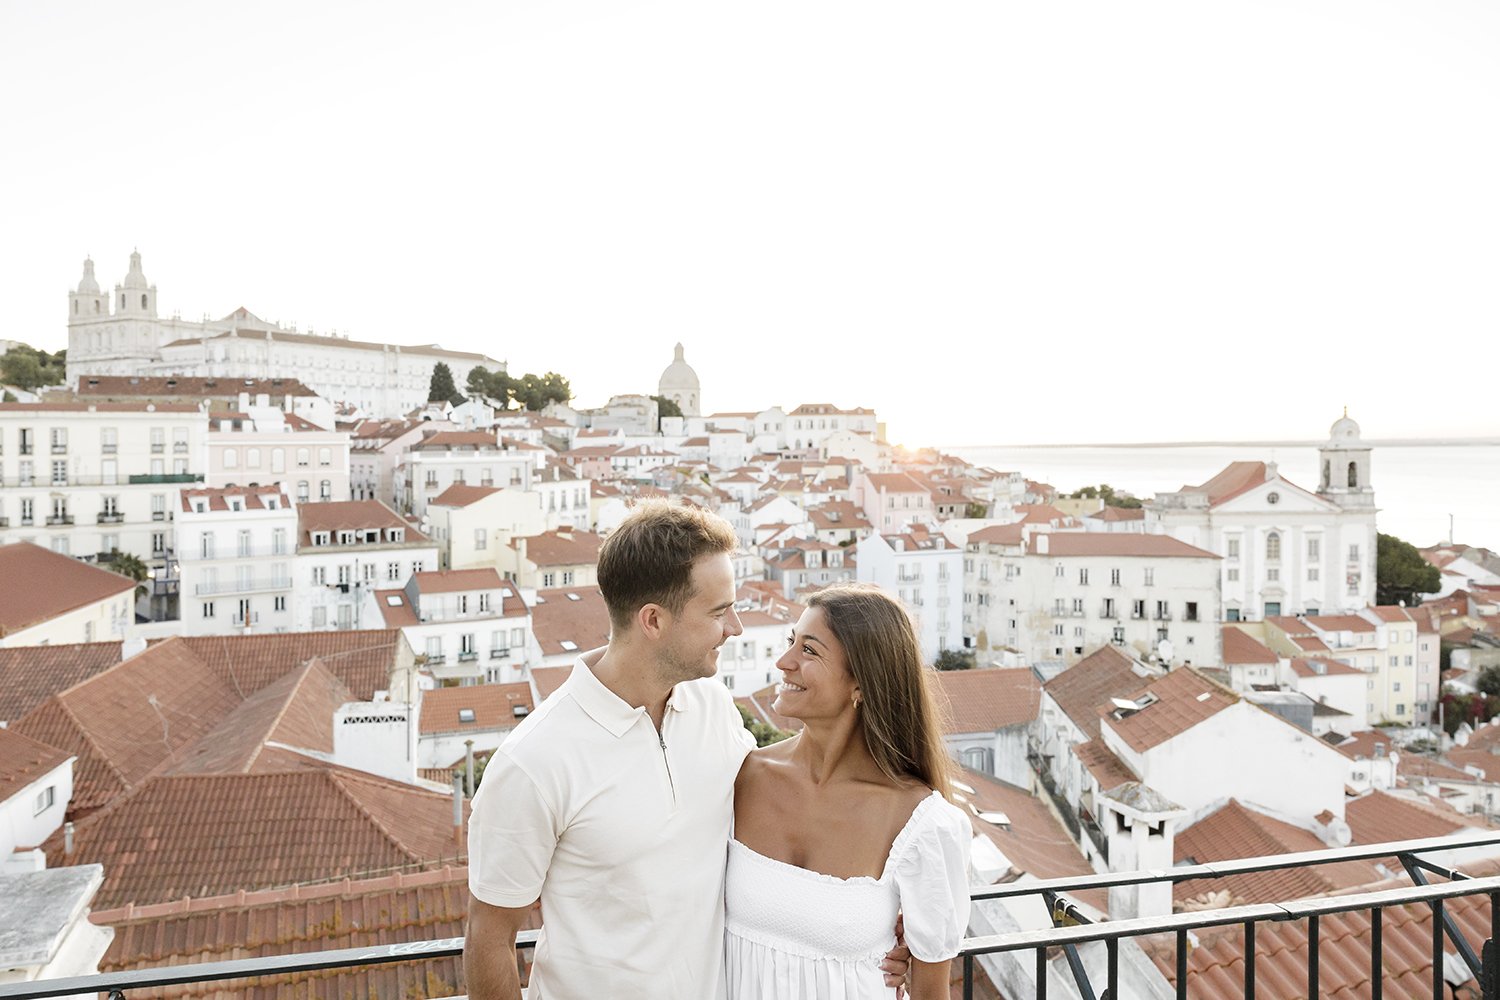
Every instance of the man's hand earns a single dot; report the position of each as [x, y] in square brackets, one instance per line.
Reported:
[490, 969]
[898, 960]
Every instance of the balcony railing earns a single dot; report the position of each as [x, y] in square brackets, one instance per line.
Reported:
[468, 656]
[1071, 929]
[59, 519]
[241, 586]
[111, 517]
[175, 477]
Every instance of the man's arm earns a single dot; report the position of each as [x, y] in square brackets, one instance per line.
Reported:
[490, 968]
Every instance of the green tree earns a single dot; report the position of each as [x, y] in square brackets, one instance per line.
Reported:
[132, 566]
[976, 509]
[535, 391]
[665, 408]
[1402, 576]
[442, 388]
[26, 367]
[764, 733]
[1489, 682]
[8, 397]
[954, 659]
[1107, 493]
[492, 386]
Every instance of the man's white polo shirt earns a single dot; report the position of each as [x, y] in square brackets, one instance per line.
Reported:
[621, 833]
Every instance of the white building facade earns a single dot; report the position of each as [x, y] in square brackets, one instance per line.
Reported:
[927, 575]
[236, 548]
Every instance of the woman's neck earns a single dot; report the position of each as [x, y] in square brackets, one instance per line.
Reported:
[832, 750]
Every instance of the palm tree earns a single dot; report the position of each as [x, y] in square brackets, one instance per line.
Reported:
[132, 566]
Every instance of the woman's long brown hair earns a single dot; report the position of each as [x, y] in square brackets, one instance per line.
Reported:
[899, 713]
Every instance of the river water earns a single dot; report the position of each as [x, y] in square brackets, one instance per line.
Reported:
[1417, 486]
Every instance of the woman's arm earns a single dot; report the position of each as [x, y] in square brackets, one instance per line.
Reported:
[930, 980]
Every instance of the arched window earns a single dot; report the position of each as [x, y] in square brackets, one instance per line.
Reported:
[1327, 474]
[1273, 547]
[1353, 476]
[75, 308]
[143, 300]
[122, 300]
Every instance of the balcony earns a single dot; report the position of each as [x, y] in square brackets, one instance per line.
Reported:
[241, 587]
[59, 449]
[180, 447]
[57, 520]
[111, 517]
[109, 449]
[436, 659]
[468, 655]
[158, 515]
[157, 447]
[175, 477]
[499, 654]
[240, 621]
[1056, 956]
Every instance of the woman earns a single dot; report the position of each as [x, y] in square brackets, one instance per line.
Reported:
[847, 823]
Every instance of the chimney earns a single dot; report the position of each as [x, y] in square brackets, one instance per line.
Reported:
[469, 765]
[1039, 543]
[68, 839]
[458, 809]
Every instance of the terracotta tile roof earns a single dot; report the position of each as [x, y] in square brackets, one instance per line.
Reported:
[1310, 643]
[493, 706]
[997, 534]
[1323, 667]
[393, 909]
[1240, 647]
[29, 675]
[187, 385]
[1034, 841]
[363, 660]
[1184, 699]
[395, 609]
[758, 704]
[1107, 769]
[1234, 479]
[24, 760]
[1235, 831]
[453, 581]
[1340, 623]
[125, 723]
[462, 495]
[294, 711]
[317, 340]
[983, 701]
[192, 835]
[37, 585]
[895, 482]
[1379, 817]
[1364, 743]
[1104, 674]
[557, 618]
[561, 548]
[1113, 514]
[254, 497]
[546, 680]
[351, 515]
[1124, 545]
[1486, 761]
[1411, 765]
[1391, 613]
[1216, 965]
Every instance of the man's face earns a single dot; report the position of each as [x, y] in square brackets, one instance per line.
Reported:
[692, 637]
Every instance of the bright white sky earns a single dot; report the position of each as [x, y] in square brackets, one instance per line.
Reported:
[995, 222]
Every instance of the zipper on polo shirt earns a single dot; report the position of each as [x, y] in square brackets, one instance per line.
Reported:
[662, 739]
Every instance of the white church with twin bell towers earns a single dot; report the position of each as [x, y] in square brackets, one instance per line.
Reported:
[1283, 549]
[122, 334]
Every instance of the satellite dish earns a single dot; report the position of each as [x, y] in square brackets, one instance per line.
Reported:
[1164, 650]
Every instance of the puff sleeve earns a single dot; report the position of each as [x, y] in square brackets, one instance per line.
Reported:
[932, 876]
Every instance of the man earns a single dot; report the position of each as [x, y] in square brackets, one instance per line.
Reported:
[612, 802]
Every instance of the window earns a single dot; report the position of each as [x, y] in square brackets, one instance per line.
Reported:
[242, 543]
[393, 572]
[1114, 578]
[1354, 553]
[109, 471]
[302, 458]
[1312, 574]
[1077, 605]
[549, 579]
[1232, 548]
[179, 467]
[346, 575]
[206, 545]
[252, 458]
[1273, 546]
[27, 475]
[481, 538]
[1314, 549]
[1083, 577]
[463, 604]
[325, 489]
[59, 440]
[303, 491]
[26, 441]
[567, 577]
[1273, 574]
[1232, 575]
[1162, 614]
[278, 460]
[1117, 635]
[60, 472]
[1192, 611]
[1150, 577]
[319, 617]
[208, 609]
[1137, 609]
[320, 576]
[158, 543]
[1061, 571]
[45, 799]
[1232, 614]
[109, 440]
[278, 603]
[325, 456]
[484, 603]
[1109, 607]
[231, 458]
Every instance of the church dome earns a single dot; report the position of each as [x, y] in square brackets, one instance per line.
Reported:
[1344, 429]
[679, 374]
[135, 277]
[679, 383]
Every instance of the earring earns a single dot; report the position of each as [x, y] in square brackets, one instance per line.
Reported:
[855, 698]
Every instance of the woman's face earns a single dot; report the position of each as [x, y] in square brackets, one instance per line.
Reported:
[816, 682]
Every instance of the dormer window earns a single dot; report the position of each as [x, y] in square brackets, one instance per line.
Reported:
[321, 538]
[395, 534]
[200, 506]
[346, 538]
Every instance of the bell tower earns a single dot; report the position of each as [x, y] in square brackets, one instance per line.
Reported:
[1344, 461]
[133, 297]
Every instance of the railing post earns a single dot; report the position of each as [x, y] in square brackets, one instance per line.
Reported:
[1437, 949]
[1249, 959]
[1312, 956]
[1442, 918]
[968, 977]
[1182, 946]
[1489, 979]
[1377, 953]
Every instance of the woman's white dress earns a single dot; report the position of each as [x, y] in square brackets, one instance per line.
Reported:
[794, 934]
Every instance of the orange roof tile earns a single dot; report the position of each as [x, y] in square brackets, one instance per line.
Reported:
[1234, 479]
[997, 534]
[462, 495]
[24, 760]
[580, 619]
[29, 675]
[561, 548]
[1340, 623]
[987, 700]
[453, 581]
[37, 585]
[1184, 699]
[1380, 817]
[1125, 545]
[1107, 769]
[352, 515]
[548, 679]
[1104, 674]
[1240, 647]
[192, 835]
[1322, 667]
[494, 707]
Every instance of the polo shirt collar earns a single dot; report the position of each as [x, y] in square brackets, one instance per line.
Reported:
[605, 707]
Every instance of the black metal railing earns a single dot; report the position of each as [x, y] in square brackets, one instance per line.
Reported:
[1071, 929]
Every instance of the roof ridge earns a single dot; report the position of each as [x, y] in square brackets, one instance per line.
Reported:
[339, 779]
[88, 738]
[286, 702]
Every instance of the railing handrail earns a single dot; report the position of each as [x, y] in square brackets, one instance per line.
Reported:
[1241, 866]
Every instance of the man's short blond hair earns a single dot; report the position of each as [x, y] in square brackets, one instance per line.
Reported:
[649, 558]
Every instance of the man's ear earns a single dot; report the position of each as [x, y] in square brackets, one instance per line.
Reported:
[652, 620]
